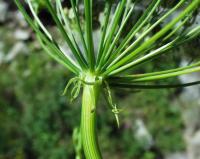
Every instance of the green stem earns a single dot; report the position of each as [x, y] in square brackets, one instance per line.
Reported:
[77, 143]
[88, 119]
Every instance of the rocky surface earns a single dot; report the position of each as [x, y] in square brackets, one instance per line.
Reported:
[3, 11]
[143, 135]
[190, 101]
[177, 156]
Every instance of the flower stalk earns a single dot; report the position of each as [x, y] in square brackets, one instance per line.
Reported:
[88, 118]
[118, 52]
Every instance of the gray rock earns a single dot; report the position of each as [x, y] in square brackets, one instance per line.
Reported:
[19, 19]
[21, 34]
[190, 104]
[143, 135]
[177, 156]
[190, 93]
[3, 11]
[19, 47]
[193, 142]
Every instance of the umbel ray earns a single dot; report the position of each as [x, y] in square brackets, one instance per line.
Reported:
[118, 53]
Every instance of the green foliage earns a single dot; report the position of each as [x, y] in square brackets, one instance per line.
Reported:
[161, 117]
[42, 121]
[39, 4]
[36, 113]
[116, 55]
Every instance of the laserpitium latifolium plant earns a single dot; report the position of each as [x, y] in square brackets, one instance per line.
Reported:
[108, 67]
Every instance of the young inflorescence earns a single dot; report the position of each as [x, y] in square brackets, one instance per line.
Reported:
[117, 51]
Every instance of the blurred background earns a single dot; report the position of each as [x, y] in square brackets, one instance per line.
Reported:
[36, 122]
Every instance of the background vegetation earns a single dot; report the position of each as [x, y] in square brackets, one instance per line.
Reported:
[36, 122]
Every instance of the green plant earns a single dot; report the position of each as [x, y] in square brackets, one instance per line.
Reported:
[98, 71]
